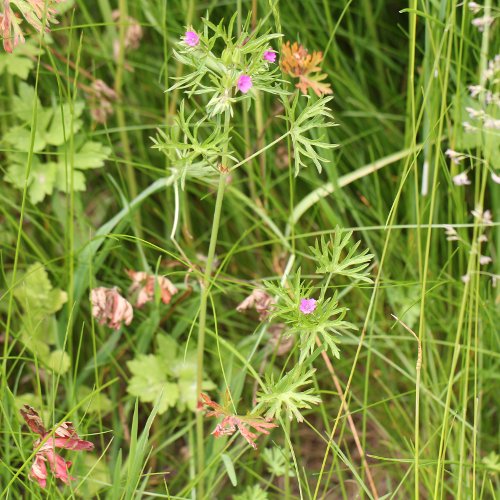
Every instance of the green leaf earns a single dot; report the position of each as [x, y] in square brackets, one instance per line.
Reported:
[167, 350]
[96, 473]
[42, 179]
[36, 295]
[91, 155]
[334, 258]
[228, 464]
[98, 403]
[60, 128]
[64, 184]
[58, 361]
[19, 63]
[149, 380]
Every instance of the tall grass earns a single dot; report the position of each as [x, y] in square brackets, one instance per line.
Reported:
[414, 417]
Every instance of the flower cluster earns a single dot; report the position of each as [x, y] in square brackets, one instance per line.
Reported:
[111, 308]
[132, 39]
[243, 66]
[298, 63]
[101, 101]
[64, 436]
[33, 11]
[231, 422]
[479, 22]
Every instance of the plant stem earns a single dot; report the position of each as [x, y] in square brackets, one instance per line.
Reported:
[203, 304]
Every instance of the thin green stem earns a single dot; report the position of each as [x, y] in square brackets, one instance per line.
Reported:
[202, 320]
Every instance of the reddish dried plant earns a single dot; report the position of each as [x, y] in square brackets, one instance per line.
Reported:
[260, 300]
[143, 287]
[64, 436]
[38, 13]
[231, 422]
[298, 63]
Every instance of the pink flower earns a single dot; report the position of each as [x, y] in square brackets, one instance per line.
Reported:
[65, 436]
[143, 284]
[108, 306]
[191, 38]
[269, 55]
[307, 306]
[244, 83]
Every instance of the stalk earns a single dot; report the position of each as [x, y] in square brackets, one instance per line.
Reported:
[203, 305]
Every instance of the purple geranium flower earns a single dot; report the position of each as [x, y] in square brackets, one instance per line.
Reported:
[244, 83]
[307, 306]
[270, 56]
[191, 38]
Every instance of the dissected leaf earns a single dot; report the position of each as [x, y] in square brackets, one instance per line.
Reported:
[91, 155]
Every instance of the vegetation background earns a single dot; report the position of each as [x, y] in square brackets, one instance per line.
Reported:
[422, 419]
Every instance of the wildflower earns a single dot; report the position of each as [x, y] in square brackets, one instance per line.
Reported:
[270, 56]
[495, 178]
[482, 238]
[461, 179]
[108, 306]
[484, 217]
[103, 96]
[482, 22]
[132, 39]
[454, 156]
[191, 38]
[474, 113]
[465, 278]
[298, 63]
[474, 7]
[484, 260]
[244, 83]
[451, 233]
[64, 437]
[307, 306]
[231, 422]
[468, 127]
[475, 90]
[491, 123]
[260, 300]
[143, 284]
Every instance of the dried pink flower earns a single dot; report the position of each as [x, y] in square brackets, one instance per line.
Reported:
[143, 284]
[244, 83]
[191, 38]
[65, 436]
[485, 260]
[231, 423]
[260, 300]
[110, 308]
[270, 56]
[307, 306]
[133, 36]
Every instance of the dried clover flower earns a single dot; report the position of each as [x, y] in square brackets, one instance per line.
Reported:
[260, 300]
[298, 63]
[110, 308]
[143, 284]
[133, 36]
[64, 436]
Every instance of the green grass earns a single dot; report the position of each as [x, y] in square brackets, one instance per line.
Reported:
[400, 77]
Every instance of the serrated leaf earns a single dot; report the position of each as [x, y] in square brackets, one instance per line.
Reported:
[42, 180]
[150, 380]
[63, 183]
[60, 129]
[35, 293]
[91, 155]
